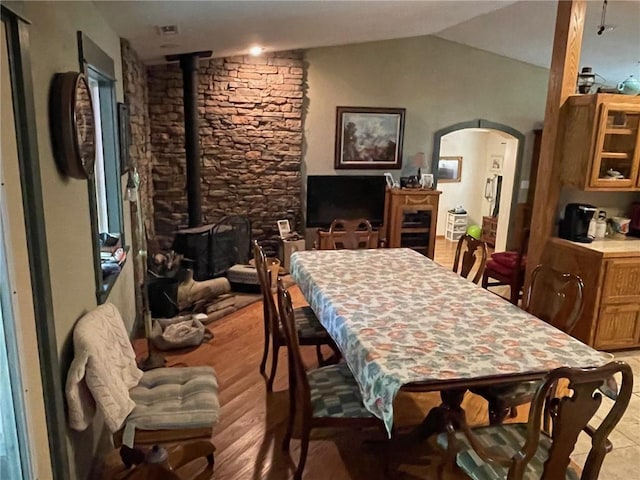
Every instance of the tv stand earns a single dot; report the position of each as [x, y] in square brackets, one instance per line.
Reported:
[410, 218]
[323, 239]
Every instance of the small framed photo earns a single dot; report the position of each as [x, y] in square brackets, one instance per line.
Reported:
[426, 180]
[391, 183]
[449, 169]
[369, 138]
[496, 163]
[284, 228]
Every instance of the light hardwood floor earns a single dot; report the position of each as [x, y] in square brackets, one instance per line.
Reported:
[251, 427]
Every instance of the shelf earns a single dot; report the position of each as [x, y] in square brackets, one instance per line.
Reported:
[606, 179]
[415, 230]
[415, 224]
[615, 155]
[620, 131]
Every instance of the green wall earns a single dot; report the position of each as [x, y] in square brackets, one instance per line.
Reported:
[53, 36]
[439, 82]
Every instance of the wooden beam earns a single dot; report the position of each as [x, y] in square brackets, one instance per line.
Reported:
[562, 83]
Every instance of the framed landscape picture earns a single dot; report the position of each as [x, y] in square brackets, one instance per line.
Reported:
[449, 169]
[369, 138]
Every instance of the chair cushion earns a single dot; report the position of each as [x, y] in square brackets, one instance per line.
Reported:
[335, 393]
[493, 266]
[308, 325]
[505, 440]
[175, 398]
[508, 393]
[243, 274]
[508, 259]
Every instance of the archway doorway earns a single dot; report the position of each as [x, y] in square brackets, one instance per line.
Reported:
[487, 184]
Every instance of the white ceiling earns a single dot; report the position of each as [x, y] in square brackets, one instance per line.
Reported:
[519, 30]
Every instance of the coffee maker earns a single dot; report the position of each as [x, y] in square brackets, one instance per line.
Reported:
[575, 224]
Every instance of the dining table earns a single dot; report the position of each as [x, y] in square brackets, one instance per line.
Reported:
[402, 321]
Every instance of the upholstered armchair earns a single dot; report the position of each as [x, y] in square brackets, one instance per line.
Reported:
[157, 406]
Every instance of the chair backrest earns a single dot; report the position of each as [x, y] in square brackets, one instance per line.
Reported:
[555, 297]
[350, 234]
[268, 304]
[298, 382]
[571, 414]
[470, 257]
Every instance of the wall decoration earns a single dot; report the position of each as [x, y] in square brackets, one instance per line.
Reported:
[369, 138]
[72, 121]
[124, 137]
[449, 169]
[496, 163]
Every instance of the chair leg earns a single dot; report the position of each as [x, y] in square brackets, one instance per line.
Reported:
[286, 441]
[275, 350]
[319, 355]
[515, 292]
[304, 449]
[263, 362]
[485, 281]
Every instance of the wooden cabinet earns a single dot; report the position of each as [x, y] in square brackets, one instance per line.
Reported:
[456, 226]
[489, 229]
[601, 142]
[410, 219]
[610, 270]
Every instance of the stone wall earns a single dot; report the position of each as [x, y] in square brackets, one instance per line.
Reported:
[250, 140]
[134, 74]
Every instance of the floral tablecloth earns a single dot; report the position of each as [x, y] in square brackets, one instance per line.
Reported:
[398, 317]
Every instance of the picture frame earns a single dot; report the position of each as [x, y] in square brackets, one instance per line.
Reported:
[426, 180]
[283, 228]
[369, 138]
[124, 138]
[496, 162]
[449, 169]
[391, 183]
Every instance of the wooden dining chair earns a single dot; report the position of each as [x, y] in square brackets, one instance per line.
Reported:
[473, 252]
[325, 397]
[308, 327]
[555, 297]
[519, 451]
[508, 268]
[350, 234]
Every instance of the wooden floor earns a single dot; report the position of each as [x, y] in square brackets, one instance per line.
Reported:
[251, 427]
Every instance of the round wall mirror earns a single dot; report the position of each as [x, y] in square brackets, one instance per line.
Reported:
[73, 125]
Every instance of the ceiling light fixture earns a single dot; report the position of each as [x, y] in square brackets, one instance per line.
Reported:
[603, 27]
[255, 51]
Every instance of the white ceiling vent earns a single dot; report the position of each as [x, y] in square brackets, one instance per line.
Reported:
[167, 30]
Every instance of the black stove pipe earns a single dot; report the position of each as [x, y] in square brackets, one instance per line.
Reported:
[189, 66]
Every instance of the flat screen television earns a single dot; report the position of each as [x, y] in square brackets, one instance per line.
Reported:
[344, 196]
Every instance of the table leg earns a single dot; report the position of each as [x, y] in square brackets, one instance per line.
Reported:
[448, 412]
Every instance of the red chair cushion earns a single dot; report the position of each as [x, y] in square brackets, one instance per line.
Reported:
[493, 266]
[508, 259]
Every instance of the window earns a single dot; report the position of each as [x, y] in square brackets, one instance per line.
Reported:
[105, 196]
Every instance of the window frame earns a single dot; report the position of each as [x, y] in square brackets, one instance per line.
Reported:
[97, 64]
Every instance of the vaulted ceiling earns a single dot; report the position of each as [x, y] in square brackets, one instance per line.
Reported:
[520, 30]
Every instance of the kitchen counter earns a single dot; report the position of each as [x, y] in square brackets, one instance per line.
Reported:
[610, 270]
[608, 247]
